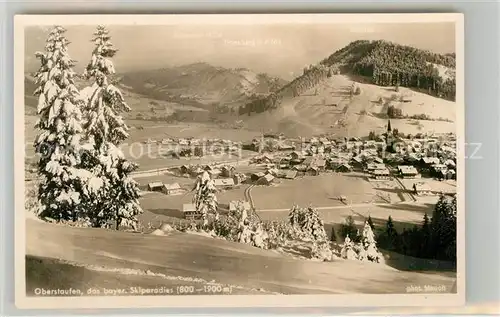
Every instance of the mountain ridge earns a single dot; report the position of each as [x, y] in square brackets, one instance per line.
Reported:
[201, 83]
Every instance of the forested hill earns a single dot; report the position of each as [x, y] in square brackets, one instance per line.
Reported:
[390, 64]
[382, 63]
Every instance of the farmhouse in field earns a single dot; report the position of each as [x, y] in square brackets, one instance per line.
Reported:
[172, 189]
[155, 187]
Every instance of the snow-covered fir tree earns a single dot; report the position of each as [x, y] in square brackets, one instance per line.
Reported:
[347, 251]
[65, 186]
[369, 245]
[307, 223]
[204, 199]
[105, 130]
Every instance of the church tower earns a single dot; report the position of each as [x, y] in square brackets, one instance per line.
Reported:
[389, 140]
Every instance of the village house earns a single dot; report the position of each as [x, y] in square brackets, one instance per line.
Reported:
[266, 158]
[407, 171]
[344, 168]
[291, 174]
[195, 171]
[224, 183]
[183, 142]
[307, 161]
[195, 142]
[300, 168]
[357, 162]
[190, 212]
[450, 174]
[320, 163]
[233, 205]
[155, 187]
[439, 167]
[184, 169]
[427, 162]
[325, 142]
[227, 171]
[313, 140]
[286, 147]
[381, 174]
[375, 166]
[239, 178]
[214, 173]
[172, 189]
[208, 167]
[439, 171]
[421, 189]
[273, 171]
[256, 176]
[296, 158]
[313, 171]
[450, 164]
[266, 180]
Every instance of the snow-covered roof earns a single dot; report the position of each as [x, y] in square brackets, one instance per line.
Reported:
[268, 178]
[173, 186]
[407, 169]
[376, 166]
[291, 174]
[188, 208]
[155, 184]
[430, 160]
[384, 171]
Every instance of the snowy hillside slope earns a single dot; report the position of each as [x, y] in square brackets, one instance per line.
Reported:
[193, 257]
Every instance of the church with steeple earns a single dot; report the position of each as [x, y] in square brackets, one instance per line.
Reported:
[389, 137]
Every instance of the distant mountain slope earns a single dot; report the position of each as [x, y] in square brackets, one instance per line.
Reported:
[201, 84]
[389, 64]
[379, 62]
[323, 99]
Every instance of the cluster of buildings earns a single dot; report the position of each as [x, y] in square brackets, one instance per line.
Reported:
[186, 147]
[383, 158]
[167, 189]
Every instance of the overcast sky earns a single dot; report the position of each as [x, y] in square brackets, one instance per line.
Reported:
[280, 50]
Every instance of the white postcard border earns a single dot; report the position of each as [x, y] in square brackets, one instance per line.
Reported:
[193, 301]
